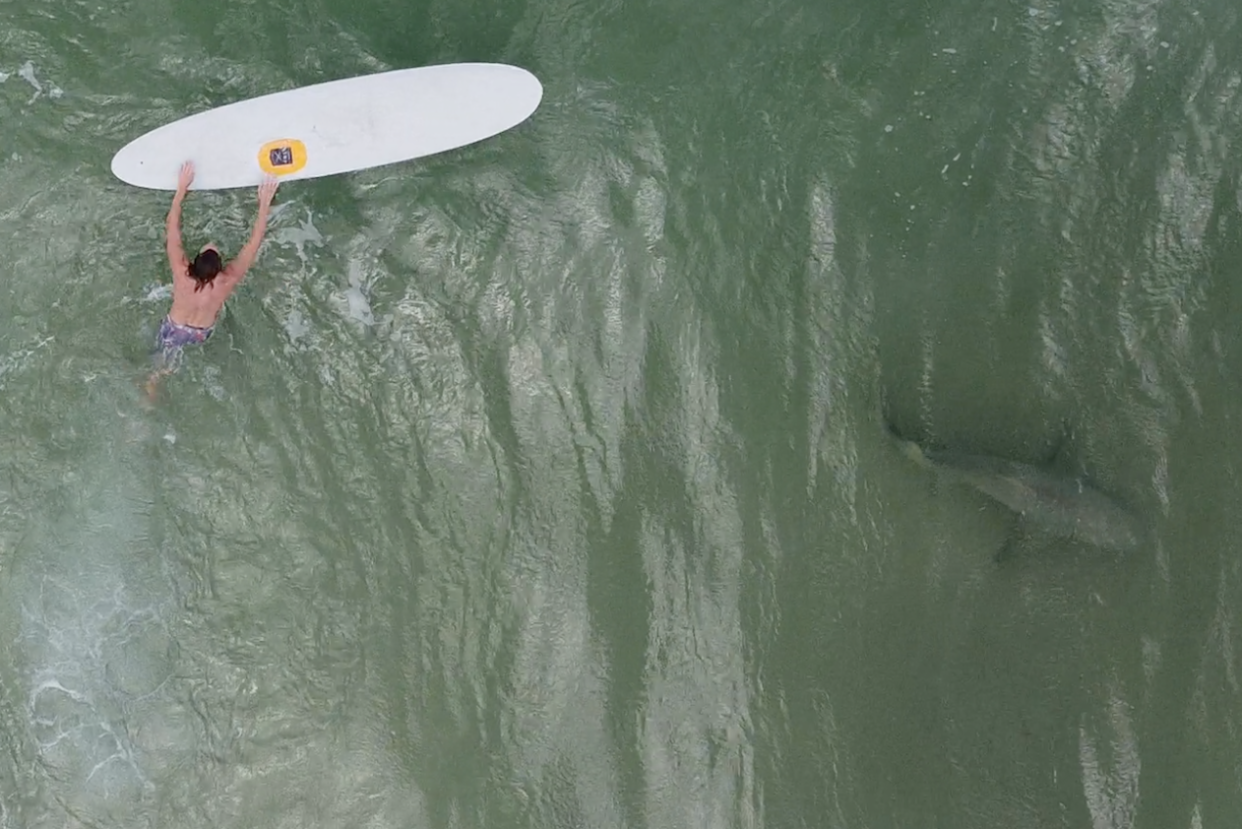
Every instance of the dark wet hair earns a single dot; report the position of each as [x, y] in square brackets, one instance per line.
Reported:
[205, 267]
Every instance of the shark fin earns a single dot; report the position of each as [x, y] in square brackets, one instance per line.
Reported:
[908, 447]
[914, 452]
[1060, 447]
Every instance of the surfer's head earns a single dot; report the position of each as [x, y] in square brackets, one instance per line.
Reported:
[205, 266]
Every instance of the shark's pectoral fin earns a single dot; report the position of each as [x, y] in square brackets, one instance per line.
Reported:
[1019, 533]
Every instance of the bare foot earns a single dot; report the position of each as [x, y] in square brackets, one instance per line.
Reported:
[152, 388]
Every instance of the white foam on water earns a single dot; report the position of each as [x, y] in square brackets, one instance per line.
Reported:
[17, 360]
[92, 645]
[296, 326]
[357, 305]
[212, 382]
[85, 635]
[300, 237]
[27, 73]
[1110, 766]
[155, 292]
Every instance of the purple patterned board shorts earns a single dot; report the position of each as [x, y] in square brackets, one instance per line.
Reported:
[173, 337]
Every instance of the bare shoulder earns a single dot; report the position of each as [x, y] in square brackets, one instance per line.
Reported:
[180, 272]
[179, 265]
[231, 274]
[235, 270]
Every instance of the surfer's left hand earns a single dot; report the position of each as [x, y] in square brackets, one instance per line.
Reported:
[186, 178]
[266, 190]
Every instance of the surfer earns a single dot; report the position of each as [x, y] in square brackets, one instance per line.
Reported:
[200, 287]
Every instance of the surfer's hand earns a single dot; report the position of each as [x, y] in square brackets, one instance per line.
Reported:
[267, 189]
[187, 176]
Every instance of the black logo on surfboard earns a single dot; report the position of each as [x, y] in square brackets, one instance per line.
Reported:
[280, 156]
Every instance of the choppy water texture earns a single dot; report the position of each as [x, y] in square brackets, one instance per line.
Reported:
[546, 484]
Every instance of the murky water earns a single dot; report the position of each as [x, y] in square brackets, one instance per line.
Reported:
[546, 483]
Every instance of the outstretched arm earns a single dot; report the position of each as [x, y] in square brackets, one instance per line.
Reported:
[239, 266]
[172, 227]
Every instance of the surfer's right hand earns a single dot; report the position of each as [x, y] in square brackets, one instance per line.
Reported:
[186, 178]
[267, 189]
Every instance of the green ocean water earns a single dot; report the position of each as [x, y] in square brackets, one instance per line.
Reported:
[546, 483]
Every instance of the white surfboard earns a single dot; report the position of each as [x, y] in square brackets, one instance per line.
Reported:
[334, 127]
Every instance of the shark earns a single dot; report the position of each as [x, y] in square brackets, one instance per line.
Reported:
[1044, 497]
